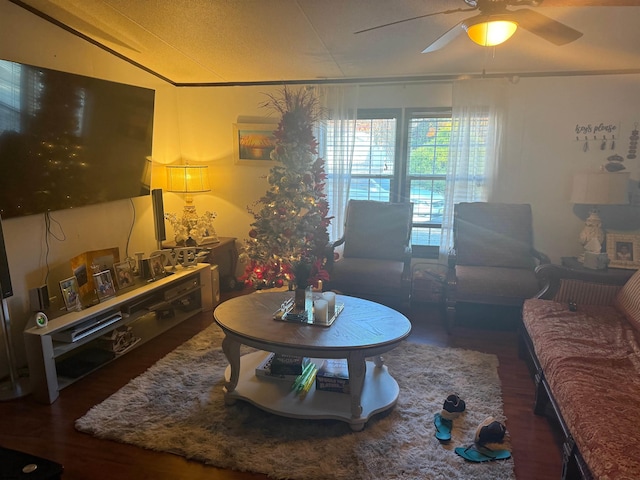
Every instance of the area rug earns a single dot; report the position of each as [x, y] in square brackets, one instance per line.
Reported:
[177, 406]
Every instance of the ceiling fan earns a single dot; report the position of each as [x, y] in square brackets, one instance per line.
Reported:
[496, 23]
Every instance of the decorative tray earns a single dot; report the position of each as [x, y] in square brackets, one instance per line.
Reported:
[287, 313]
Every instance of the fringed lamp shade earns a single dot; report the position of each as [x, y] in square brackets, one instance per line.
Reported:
[188, 179]
[600, 188]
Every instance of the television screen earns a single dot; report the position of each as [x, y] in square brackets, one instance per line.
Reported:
[67, 140]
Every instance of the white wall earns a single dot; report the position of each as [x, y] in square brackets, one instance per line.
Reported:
[206, 118]
[195, 124]
[543, 153]
[32, 260]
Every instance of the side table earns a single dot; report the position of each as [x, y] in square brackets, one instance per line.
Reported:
[225, 255]
[574, 264]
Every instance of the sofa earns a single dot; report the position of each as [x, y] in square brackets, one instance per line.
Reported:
[581, 336]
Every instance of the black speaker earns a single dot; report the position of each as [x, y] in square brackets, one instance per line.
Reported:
[158, 214]
[5, 278]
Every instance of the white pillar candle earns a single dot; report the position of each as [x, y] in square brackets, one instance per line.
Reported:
[330, 297]
[320, 311]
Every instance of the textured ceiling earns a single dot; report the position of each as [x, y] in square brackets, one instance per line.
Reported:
[244, 41]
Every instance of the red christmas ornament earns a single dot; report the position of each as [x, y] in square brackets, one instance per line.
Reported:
[253, 233]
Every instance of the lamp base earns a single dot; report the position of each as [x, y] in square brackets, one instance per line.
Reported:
[592, 235]
[11, 390]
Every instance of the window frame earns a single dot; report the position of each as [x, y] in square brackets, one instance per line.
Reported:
[420, 251]
[387, 113]
[400, 180]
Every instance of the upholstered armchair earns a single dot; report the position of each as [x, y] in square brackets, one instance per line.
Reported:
[376, 258]
[493, 260]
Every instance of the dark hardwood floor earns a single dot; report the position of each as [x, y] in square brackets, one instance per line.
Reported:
[48, 431]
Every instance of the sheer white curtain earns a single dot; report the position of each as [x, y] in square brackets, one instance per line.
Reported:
[336, 138]
[478, 123]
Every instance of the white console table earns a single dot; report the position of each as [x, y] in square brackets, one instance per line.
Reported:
[69, 347]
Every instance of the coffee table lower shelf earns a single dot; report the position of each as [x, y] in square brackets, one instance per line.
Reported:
[380, 392]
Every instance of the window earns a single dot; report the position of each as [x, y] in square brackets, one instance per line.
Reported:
[402, 155]
[428, 137]
[374, 156]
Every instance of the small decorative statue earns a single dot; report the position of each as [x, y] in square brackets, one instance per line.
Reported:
[191, 232]
[592, 231]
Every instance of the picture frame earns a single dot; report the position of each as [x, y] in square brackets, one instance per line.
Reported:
[84, 265]
[104, 285]
[124, 275]
[157, 265]
[71, 293]
[623, 250]
[253, 143]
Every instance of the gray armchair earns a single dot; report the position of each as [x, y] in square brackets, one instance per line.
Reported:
[493, 260]
[376, 261]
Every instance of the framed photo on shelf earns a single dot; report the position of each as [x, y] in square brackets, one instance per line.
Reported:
[623, 250]
[253, 143]
[157, 265]
[124, 275]
[104, 285]
[70, 293]
[88, 263]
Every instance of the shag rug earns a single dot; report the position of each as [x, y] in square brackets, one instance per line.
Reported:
[177, 406]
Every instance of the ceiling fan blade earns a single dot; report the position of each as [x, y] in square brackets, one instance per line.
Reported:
[442, 12]
[545, 27]
[444, 39]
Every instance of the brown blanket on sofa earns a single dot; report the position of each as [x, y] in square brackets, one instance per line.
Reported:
[591, 360]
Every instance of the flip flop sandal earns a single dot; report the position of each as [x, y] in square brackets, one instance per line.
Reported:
[443, 428]
[477, 454]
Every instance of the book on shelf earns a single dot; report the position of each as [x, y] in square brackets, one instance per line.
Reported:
[264, 369]
[333, 376]
[288, 364]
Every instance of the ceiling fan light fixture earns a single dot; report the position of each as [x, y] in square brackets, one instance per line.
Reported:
[488, 33]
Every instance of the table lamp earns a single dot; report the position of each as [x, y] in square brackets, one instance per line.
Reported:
[594, 189]
[188, 179]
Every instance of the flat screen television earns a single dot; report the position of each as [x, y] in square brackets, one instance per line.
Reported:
[68, 140]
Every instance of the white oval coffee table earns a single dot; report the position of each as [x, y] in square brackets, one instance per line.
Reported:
[363, 330]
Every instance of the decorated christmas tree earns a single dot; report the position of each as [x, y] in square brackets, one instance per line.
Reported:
[288, 239]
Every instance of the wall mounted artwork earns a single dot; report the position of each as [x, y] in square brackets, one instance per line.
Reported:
[253, 143]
